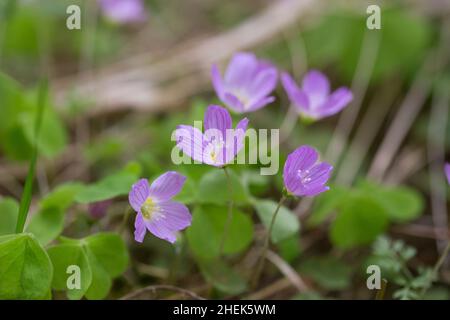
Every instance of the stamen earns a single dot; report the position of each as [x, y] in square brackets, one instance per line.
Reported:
[148, 208]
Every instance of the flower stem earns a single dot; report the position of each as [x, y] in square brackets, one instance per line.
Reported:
[262, 258]
[226, 228]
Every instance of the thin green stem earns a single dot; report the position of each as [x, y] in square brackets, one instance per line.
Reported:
[262, 258]
[28, 188]
[226, 228]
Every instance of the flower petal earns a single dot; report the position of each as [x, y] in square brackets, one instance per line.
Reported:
[313, 191]
[316, 86]
[233, 102]
[303, 158]
[263, 83]
[240, 69]
[217, 118]
[259, 103]
[447, 171]
[318, 175]
[191, 141]
[172, 215]
[337, 101]
[297, 97]
[161, 232]
[138, 194]
[235, 142]
[217, 81]
[167, 185]
[139, 228]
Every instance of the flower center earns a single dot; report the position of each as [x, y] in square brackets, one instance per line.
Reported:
[215, 150]
[304, 176]
[242, 97]
[148, 208]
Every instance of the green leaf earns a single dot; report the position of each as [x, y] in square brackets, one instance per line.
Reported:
[286, 223]
[329, 272]
[62, 196]
[359, 222]
[110, 252]
[63, 256]
[222, 277]
[101, 281]
[402, 204]
[289, 248]
[325, 204]
[9, 208]
[206, 232]
[47, 224]
[101, 258]
[112, 186]
[53, 136]
[213, 188]
[25, 268]
[28, 188]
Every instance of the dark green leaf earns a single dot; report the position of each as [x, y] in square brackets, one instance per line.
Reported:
[206, 232]
[25, 268]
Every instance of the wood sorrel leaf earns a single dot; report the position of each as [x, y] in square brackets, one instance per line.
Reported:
[360, 220]
[222, 277]
[9, 209]
[63, 256]
[206, 232]
[286, 223]
[25, 268]
[213, 188]
[117, 184]
[100, 257]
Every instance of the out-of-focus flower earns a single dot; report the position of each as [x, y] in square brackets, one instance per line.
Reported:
[247, 83]
[220, 143]
[447, 171]
[156, 212]
[124, 11]
[97, 210]
[303, 175]
[313, 100]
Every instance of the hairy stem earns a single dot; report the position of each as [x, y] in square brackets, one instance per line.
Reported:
[262, 258]
[226, 229]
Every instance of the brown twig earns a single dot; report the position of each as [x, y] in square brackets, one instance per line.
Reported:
[153, 289]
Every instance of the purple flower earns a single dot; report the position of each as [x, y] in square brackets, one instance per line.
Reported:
[303, 175]
[313, 100]
[247, 83]
[156, 212]
[447, 171]
[220, 143]
[124, 11]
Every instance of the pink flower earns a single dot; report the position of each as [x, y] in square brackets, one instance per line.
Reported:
[124, 11]
[247, 83]
[220, 143]
[156, 212]
[303, 175]
[313, 100]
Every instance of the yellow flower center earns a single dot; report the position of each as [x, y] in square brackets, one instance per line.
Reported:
[148, 208]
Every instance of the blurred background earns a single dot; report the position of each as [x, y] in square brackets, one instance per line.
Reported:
[121, 84]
